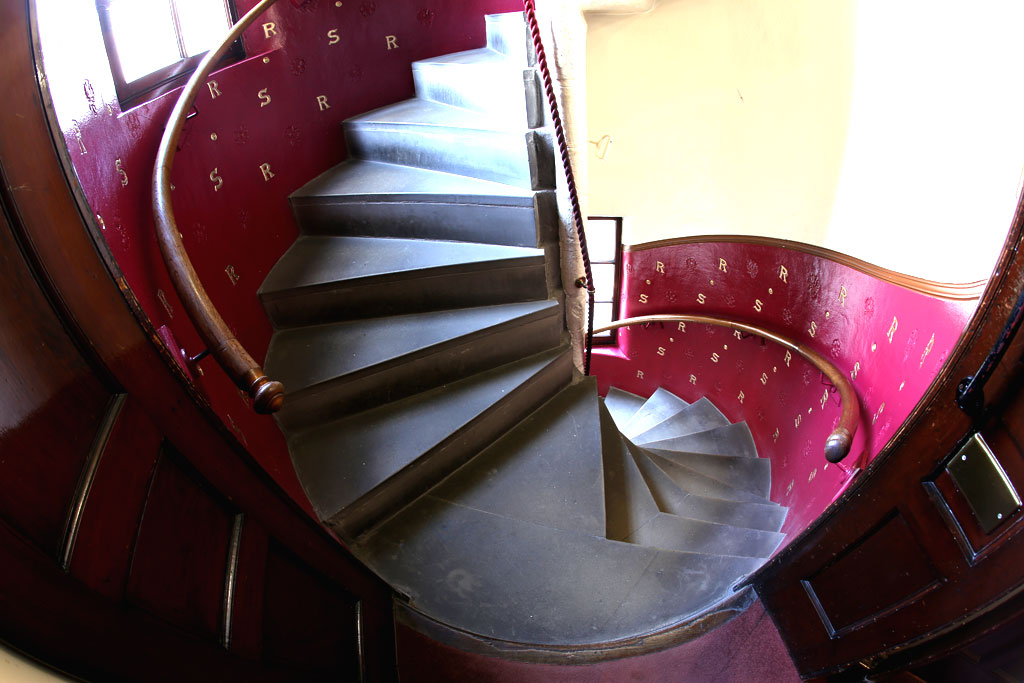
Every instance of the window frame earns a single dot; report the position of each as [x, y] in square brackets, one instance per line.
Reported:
[161, 81]
[612, 337]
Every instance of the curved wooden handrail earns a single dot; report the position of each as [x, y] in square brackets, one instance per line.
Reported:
[246, 373]
[838, 443]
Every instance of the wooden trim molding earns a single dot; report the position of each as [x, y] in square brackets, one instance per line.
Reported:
[687, 630]
[99, 444]
[231, 580]
[966, 291]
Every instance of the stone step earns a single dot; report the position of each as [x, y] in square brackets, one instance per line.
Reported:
[734, 439]
[338, 368]
[738, 471]
[508, 34]
[523, 582]
[327, 278]
[628, 501]
[699, 416]
[689, 502]
[547, 470]
[671, 532]
[361, 468]
[691, 480]
[661, 405]
[622, 405]
[485, 81]
[435, 136]
[369, 198]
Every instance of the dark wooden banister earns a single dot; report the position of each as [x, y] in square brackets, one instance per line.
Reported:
[838, 443]
[246, 373]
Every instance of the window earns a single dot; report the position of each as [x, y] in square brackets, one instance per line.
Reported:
[153, 45]
[604, 242]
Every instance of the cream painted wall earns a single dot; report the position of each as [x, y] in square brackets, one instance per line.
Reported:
[727, 116]
[15, 668]
[934, 153]
[881, 129]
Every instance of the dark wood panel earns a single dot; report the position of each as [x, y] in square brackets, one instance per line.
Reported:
[51, 405]
[181, 552]
[997, 657]
[247, 611]
[308, 623]
[46, 612]
[110, 517]
[858, 586]
[97, 639]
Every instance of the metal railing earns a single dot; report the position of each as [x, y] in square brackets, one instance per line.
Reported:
[839, 441]
[244, 371]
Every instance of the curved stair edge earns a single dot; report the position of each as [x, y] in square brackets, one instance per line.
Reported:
[687, 630]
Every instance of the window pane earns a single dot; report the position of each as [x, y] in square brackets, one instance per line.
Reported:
[601, 239]
[204, 23]
[602, 314]
[144, 34]
[604, 281]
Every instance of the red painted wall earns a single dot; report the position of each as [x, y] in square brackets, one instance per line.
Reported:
[236, 229]
[891, 340]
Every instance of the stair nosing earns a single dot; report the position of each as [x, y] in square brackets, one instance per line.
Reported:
[313, 389]
[414, 273]
[450, 439]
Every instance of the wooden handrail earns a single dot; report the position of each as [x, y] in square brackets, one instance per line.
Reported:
[246, 373]
[838, 443]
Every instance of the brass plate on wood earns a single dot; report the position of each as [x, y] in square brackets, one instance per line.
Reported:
[984, 483]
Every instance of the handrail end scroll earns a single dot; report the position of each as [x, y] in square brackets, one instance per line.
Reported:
[838, 444]
[267, 395]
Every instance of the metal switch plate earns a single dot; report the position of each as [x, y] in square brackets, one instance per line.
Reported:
[983, 482]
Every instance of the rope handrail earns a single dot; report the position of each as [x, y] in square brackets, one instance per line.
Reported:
[838, 443]
[245, 372]
[570, 179]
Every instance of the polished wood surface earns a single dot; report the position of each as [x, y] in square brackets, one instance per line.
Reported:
[143, 595]
[245, 372]
[838, 443]
[51, 406]
[942, 580]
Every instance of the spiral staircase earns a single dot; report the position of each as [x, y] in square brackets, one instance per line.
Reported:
[434, 417]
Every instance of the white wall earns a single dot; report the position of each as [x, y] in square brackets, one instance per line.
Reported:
[933, 157]
[15, 668]
[885, 130]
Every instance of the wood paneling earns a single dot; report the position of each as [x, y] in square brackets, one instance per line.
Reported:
[905, 575]
[308, 623]
[51, 405]
[110, 517]
[247, 611]
[181, 552]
